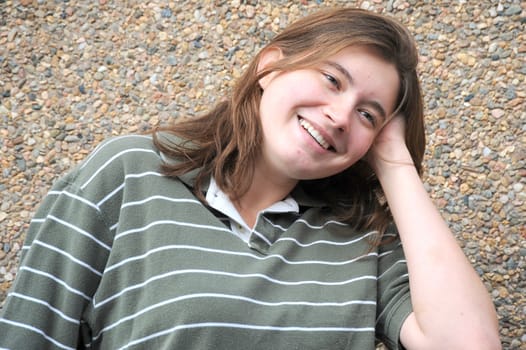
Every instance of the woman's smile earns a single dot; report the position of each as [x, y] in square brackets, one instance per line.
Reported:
[316, 135]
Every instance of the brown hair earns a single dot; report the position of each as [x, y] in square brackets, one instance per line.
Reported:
[226, 141]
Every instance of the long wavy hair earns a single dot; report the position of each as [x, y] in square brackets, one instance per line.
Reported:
[226, 142]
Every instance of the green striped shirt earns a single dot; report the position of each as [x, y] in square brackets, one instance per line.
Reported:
[119, 256]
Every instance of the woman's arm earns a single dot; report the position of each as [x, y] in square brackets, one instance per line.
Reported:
[452, 309]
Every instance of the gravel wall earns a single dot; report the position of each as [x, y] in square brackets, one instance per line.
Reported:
[73, 73]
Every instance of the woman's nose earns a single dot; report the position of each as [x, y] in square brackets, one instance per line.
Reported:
[339, 114]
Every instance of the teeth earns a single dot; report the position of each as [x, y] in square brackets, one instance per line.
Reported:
[314, 133]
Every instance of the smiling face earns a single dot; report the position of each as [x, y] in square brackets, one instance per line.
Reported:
[319, 121]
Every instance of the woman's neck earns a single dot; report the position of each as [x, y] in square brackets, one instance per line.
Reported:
[264, 191]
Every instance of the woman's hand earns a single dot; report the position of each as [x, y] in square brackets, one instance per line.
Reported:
[389, 148]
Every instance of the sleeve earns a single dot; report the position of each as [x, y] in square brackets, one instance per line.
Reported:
[394, 301]
[63, 257]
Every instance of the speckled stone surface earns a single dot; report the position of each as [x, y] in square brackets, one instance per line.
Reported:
[73, 73]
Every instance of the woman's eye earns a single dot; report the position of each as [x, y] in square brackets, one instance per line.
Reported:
[332, 80]
[369, 117]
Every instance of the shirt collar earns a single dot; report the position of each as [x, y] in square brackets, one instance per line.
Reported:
[218, 200]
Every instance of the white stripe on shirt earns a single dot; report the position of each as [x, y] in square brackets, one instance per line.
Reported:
[109, 161]
[36, 330]
[247, 326]
[230, 274]
[69, 256]
[231, 297]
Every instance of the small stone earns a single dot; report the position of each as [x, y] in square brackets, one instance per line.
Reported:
[493, 12]
[70, 127]
[496, 207]
[365, 5]
[21, 164]
[171, 60]
[250, 11]
[476, 101]
[510, 93]
[513, 10]
[81, 107]
[466, 59]
[166, 13]
[495, 294]
[98, 76]
[468, 97]
[72, 138]
[4, 112]
[108, 60]
[497, 113]
[515, 344]
[503, 292]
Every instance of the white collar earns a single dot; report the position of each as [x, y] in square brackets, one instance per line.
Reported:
[218, 200]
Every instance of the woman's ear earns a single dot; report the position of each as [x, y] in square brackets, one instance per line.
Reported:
[267, 58]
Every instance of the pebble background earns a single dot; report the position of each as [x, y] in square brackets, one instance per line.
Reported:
[73, 73]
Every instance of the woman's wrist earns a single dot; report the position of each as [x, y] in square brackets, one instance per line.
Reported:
[394, 161]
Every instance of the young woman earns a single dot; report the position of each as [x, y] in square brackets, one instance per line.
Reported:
[268, 223]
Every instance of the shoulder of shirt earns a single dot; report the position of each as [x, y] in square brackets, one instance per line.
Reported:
[116, 157]
[126, 142]
[126, 148]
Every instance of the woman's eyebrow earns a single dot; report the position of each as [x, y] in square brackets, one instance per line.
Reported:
[342, 70]
[373, 104]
